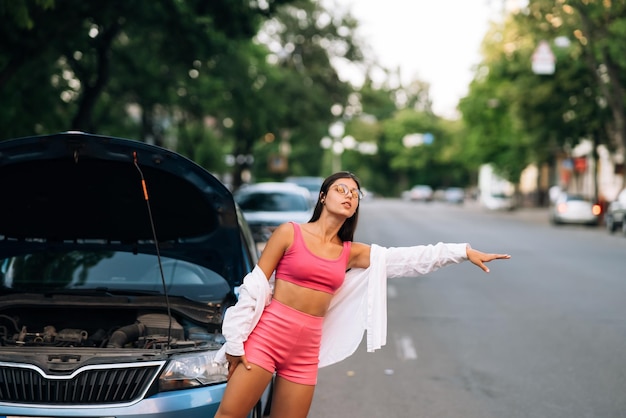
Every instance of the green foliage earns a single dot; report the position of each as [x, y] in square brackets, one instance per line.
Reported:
[132, 53]
[303, 39]
[19, 11]
[516, 117]
[232, 78]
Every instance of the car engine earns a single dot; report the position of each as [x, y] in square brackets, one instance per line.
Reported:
[147, 331]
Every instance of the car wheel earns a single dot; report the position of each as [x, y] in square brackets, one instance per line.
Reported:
[257, 411]
[610, 224]
[270, 397]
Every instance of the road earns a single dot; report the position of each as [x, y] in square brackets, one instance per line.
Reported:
[542, 335]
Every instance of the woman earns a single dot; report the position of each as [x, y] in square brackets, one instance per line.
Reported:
[317, 312]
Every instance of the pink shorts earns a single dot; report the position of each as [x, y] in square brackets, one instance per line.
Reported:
[286, 341]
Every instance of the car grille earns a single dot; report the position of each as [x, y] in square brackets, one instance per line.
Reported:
[91, 385]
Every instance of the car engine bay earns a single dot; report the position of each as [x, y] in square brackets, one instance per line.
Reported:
[105, 328]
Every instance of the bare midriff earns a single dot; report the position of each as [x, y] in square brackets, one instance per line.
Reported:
[303, 299]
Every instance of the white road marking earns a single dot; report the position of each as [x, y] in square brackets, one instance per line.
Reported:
[406, 347]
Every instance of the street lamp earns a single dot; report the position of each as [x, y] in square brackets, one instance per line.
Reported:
[337, 143]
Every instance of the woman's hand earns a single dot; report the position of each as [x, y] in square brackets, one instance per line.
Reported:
[233, 362]
[479, 258]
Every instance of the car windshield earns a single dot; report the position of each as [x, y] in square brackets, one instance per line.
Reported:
[107, 271]
[272, 202]
[312, 184]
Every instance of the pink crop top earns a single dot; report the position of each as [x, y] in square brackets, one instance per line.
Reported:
[300, 266]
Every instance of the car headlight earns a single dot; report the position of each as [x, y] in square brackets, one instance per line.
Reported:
[192, 370]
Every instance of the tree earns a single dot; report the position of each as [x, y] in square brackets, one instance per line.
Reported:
[109, 55]
[561, 109]
[603, 33]
[303, 40]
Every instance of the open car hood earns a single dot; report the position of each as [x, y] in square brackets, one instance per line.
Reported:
[76, 190]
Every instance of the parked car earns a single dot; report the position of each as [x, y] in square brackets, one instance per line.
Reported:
[455, 195]
[616, 214]
[267, 205]
[117, 261]
[421, 193]
[497, 201]
[312, 183]
[574, 209]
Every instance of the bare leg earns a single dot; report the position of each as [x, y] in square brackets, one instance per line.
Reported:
[243, 390]
[291, 400]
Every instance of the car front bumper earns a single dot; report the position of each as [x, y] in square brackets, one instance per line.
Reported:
[189, 403]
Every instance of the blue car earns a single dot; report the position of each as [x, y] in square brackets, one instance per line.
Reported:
[117, 261]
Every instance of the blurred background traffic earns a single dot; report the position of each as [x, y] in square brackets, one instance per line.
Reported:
[252, 91]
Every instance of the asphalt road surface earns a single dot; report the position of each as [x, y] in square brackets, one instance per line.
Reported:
[542, 335]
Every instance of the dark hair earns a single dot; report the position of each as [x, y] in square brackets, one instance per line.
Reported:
[346, 232]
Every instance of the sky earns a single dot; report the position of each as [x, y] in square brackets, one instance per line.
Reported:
[437, 41]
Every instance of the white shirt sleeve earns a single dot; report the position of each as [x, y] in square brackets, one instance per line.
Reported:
[422, 259]
[240, 319]
[360, 304]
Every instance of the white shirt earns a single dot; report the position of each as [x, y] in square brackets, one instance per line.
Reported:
[358, 306]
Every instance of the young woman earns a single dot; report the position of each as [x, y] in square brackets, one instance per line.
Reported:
[316, 313]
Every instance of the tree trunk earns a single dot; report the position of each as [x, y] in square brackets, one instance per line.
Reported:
[91, 90]
[612, 89]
